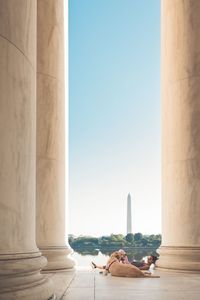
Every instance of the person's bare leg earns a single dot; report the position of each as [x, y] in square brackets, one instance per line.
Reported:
[97, 266]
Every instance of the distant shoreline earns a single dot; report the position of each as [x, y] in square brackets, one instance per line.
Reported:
[116, 241]
[113, 247]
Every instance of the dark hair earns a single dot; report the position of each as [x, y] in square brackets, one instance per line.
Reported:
[154, 258]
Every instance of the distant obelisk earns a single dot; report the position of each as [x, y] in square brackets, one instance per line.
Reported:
[129, 215]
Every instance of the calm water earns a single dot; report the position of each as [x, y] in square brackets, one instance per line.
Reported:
[84, 259]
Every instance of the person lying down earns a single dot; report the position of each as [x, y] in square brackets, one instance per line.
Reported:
[117, 268]
[142, 265]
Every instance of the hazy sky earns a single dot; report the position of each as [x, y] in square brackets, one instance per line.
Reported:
[114, 127]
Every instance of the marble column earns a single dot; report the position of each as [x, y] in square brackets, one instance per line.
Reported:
[20, 259]
[50, 182]
[180, 28]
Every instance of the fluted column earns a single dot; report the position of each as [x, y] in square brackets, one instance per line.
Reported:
[51, 136]
[20, 259]
[180, 248]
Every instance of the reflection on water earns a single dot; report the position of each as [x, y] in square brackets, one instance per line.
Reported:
[84, 257]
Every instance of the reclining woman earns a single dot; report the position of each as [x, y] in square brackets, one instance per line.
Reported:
[142, 265]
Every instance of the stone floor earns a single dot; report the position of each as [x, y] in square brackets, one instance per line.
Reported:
[83, 284]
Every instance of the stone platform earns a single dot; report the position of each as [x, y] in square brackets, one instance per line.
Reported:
[85, 284]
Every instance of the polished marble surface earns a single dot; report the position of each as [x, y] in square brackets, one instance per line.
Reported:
[90, 285]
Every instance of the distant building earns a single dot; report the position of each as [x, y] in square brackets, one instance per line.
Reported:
[129, 215]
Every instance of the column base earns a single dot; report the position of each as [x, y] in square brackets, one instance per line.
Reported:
[20, 277]
[58, 258]
[181, 259]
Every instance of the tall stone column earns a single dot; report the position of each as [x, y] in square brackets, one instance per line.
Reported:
[20, 259]
[180, 248]
[51, 136]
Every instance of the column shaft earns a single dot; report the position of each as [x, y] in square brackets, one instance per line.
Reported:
[180, 248]
[51, 135]
[20, 259]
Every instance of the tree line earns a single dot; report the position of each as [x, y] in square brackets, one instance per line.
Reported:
[116, 241]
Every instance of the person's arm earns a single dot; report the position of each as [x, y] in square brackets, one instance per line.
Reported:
[125, 260]
[145, 266]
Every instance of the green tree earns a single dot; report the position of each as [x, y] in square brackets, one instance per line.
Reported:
[144, 241]
[130, 237]
[138, 236]
[70, 238]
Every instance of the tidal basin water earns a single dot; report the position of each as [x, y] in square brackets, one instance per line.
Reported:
[83, 258]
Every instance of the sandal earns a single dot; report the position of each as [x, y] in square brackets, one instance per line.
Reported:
[94, 265]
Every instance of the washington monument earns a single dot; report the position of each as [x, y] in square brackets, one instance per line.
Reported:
[129, 216]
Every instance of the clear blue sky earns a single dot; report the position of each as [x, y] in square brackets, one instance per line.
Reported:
[114, 107]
